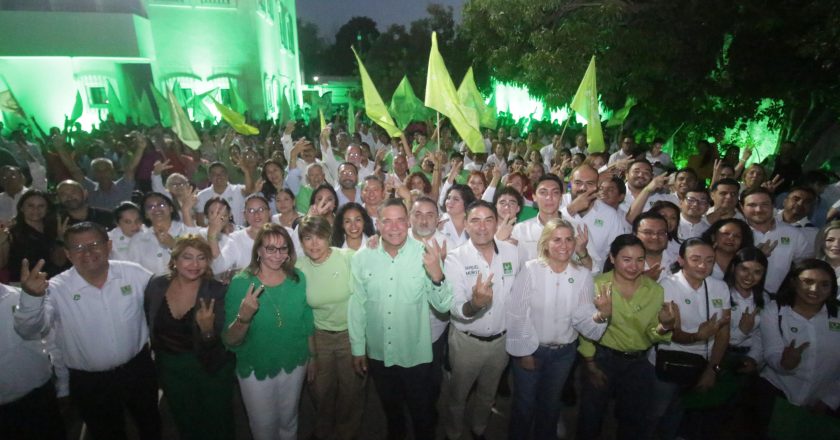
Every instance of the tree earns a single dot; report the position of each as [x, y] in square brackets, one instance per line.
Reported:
[706, 63]
[359, 32]
[312, 48]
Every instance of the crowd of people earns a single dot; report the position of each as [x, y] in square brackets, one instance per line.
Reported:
[260, 265]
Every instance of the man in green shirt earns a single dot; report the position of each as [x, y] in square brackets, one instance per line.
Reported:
[388, 319]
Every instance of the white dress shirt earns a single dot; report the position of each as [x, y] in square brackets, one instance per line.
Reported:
[692, 304]
[808, 230]
[737, 338]
[604, 224]
[687, 230]
[121, 244]
[462, 268]
[527, 234]
[791, 247]
[96, 329]
[232, 194]
[24, 365]
[817, 377]
[146, 250]
[450, 233]
[548, 308]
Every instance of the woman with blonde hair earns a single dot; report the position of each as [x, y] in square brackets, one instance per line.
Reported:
[337, 389]
[185, 313]
[551, 304]
[269, 326]
[828, 245]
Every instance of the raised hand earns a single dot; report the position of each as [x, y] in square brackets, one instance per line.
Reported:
[653, 272]
[668, 314]
[581, 239]
[191, 200]
[163, 237]
[771, 185]
[505, 228]
[62, 225]
[33, 282]
[205, 316]
[250, 304]
[432, 258]
[583, 201]
[603, 300]
[747, 322]
[160, 167]
[746, 153]
[709, 328]
[482, 292]
[658, 183]
[767, 247]
[792, 355]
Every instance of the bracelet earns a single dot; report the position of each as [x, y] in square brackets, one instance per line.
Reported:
[242, 321]
[599, 318]
[207, 336]
[212, 237]
[585, 256]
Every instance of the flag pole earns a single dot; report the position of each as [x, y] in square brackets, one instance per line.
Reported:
[566, 125]
[437, 128]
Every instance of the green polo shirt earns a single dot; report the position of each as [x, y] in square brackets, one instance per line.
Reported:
[388, 315]
[633, 322]
[328, 288]
[269, 347]
[302, 198]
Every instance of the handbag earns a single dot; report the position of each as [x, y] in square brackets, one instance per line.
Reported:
[681, 367]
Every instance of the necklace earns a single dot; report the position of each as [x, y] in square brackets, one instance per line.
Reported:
[278, 317]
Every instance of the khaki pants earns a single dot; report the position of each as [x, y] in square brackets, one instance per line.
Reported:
[473, 362]
[338, 390]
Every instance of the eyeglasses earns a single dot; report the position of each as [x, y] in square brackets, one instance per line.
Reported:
[260, 210]
[88, 247]
[692, 201]
[276, 249]
[152, 206]
[178, 184]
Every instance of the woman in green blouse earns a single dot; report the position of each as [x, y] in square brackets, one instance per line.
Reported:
[269, 327]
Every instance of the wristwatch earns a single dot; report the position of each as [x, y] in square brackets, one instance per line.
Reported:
[716, 368]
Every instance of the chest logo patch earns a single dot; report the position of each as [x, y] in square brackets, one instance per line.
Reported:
[126, 290]
[77, 297]
[717, 303]
[508, 268]
[599, 222]
[571, 280]
[834, 326]
[687, 301]
[794, 329]
[785, 241]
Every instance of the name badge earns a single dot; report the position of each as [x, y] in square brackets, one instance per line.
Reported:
[508, 268]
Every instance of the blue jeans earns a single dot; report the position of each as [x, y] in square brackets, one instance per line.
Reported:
[537, 393]
[666, 411]
[630, 381]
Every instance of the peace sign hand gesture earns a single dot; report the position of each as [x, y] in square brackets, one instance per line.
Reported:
[603, 300]
[205, 315]
[34, 282]
[250, 304]
[747, 321]
[432, 258]
[792, 355]
[482, 292]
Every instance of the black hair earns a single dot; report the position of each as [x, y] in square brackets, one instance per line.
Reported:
[727, 181]
[509, 191]
[687, 243]
[125, 207]
[746, 233]
[321, 187]
[759, 190]
[663, 204]
[621, 242]
[648, 215]
[338, 235]
[744, 255]
[50, 222]
[174, 215]
[82, 227]
[786, 295]
[482, 204]
[618, 182]
[552, 177]
[466, 194]
[268, 189]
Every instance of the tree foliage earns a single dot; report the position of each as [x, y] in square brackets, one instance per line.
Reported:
[705, 63]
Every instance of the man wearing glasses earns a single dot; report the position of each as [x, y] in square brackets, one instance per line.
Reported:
[693, 214]
[96, 308]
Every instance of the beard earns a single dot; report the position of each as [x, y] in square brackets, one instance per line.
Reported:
[72, 204]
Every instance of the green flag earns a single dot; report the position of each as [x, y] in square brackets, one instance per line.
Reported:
[585, 103]
[406, 106]
[469, 96]
[200, 111]
[668, 146]
[13, 113]
[374, 106]
[78, 108]
[162, 105]
[285, 110]
[620, 115]
[115, 108]
[235, 119]
[323, 121]
[179, 94]
[145, 114]
[441, 96]
[351, 117]
[181, 124]
[236, 102]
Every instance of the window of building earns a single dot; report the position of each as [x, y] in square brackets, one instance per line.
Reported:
[97, 96]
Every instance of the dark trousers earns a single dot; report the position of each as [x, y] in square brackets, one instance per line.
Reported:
[630, 380]
[103, 396]
[439, 362]
[34, 416]
[411, 387]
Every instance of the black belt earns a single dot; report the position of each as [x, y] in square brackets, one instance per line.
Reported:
[623, 354]
[486, 338]
[332, 332]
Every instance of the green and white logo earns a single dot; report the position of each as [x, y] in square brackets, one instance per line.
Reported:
[599, 222]
[717, 303]
[77, 297]
[126, 290]
[508, 268]
[785, 240]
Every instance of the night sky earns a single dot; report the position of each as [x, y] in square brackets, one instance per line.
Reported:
[329, 15]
